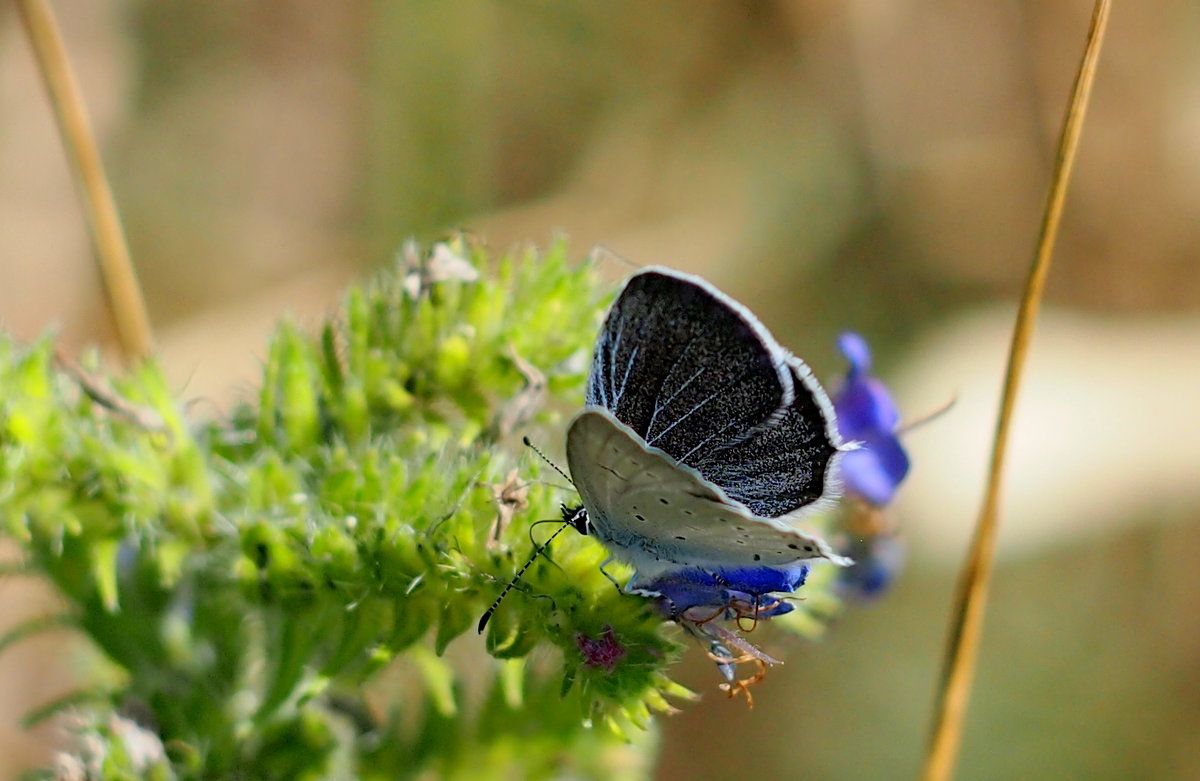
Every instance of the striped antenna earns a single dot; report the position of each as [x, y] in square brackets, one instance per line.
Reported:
[483, 620]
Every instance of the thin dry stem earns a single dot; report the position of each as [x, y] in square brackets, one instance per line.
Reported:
[971, 598]
[104, 225]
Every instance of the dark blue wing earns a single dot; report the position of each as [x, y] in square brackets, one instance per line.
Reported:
[696, 375]
[784, 465]
[686, 367]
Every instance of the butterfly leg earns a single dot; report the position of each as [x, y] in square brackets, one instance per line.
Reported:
[696, 617]
[727, 665]
[752, 611]
[726, 662]
[604, 572]
[743, 685]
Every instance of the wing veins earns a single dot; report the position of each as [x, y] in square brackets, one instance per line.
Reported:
[683, 459]
[625, 379]
[612, 363]
[696, 408]
[660, 406]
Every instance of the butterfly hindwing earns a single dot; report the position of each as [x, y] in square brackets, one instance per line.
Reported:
[649, 508]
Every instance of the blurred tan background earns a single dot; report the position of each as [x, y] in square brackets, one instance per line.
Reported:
[866, 165]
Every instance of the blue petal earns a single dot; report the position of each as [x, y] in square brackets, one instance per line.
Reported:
[867, 414]
[864, 406]
[874, 471]
[856, 351]
[877, 562]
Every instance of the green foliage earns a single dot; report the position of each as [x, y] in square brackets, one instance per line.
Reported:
[278, 594]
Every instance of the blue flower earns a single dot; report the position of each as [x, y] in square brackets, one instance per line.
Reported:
[878, 559]
[867, 414]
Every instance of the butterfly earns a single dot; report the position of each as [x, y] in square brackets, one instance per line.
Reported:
[702, 448]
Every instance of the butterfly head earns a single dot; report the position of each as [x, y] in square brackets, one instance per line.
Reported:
[577, 519]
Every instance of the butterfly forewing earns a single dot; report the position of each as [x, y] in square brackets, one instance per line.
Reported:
[786, 465]
[685, 367]
[695, 374]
